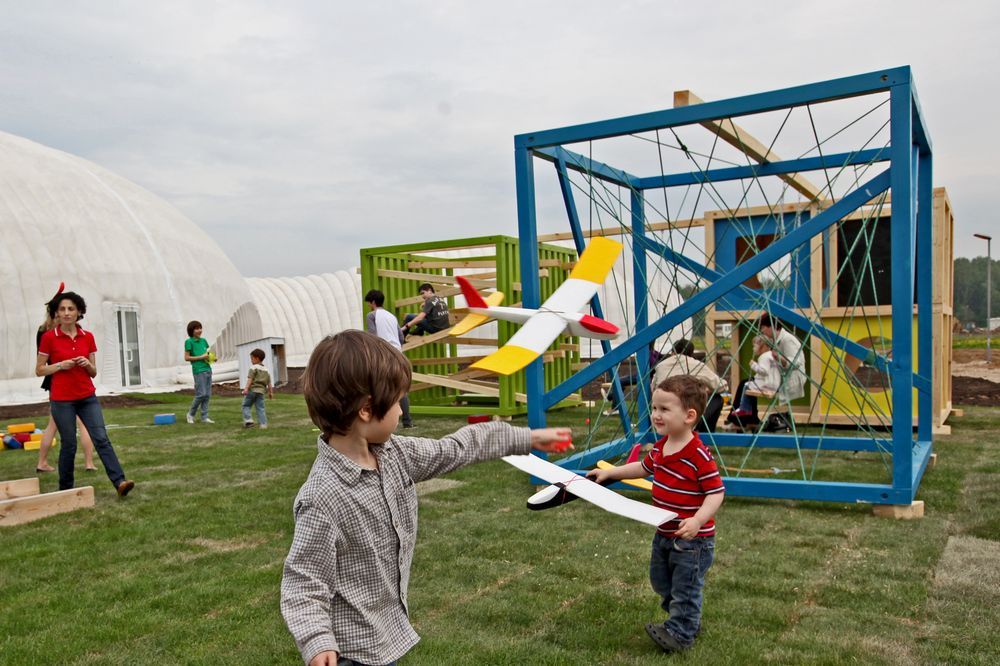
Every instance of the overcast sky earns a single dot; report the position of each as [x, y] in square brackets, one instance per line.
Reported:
[302, 131]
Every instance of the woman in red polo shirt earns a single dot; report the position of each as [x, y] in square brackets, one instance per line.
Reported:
[67, 353]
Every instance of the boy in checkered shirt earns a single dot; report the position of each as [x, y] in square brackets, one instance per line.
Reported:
[686, 481]
[344, 588]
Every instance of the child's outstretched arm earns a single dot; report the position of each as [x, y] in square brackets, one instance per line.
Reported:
[427, 458]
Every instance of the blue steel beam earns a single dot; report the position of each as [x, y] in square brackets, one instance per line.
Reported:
[783, 312]
[583, 164]
[824, 220]
[851, 86]
[805, 442]
[901, 238]
[595, 303]
[920, 133]
[637, 206]
[802, 165]
[925, 295]
[524, 175]
[822, 491]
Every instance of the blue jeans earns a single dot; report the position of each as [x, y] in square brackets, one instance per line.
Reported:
[202, 393]
[64, 413]
[677, 571]
[404, 404]
[256, 400]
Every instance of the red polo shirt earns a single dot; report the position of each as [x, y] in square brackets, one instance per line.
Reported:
[75, 383]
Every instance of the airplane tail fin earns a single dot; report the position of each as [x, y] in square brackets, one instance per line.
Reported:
[472, 296]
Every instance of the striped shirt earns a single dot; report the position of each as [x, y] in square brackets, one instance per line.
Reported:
[682, 480]
[345, 580]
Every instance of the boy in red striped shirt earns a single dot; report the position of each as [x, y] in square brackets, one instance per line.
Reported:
[686, 481]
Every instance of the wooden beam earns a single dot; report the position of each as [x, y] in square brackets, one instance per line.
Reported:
[622, 230]
[21, 510]
[421, 340]
[432, 278]
[740, 139]
[446, 382]
[454, 263]
[19, 488]
[443, 360]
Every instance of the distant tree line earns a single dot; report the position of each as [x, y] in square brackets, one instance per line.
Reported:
[970, 290]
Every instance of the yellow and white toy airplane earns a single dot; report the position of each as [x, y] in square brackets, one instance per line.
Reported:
[560, 312]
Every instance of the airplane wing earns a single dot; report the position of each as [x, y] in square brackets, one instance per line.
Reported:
[586, 489]
[530, 342]
[593, 267]
[471, 321]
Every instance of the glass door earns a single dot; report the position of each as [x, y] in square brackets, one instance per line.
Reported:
[127, 319]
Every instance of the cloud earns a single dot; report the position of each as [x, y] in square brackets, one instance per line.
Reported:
[316, 128]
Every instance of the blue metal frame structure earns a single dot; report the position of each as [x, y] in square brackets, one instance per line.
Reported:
[908, 177]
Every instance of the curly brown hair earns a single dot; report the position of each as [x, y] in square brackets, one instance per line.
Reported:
[690, 391]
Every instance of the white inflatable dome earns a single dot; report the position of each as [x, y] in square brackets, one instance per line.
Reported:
[144, 269]
[304, 310]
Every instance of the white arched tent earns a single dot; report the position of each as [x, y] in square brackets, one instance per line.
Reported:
[144, 269]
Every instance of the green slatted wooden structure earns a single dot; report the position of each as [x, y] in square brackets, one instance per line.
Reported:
[398, 271]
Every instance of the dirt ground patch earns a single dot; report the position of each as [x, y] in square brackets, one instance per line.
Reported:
[229, 389]
[42, 408]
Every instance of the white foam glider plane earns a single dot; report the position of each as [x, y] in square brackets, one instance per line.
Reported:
[565, 481]
[560, 312]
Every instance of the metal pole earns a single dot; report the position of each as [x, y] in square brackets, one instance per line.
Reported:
[989, 289]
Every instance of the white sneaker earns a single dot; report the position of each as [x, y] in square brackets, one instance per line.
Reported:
[207, 420]
[190, 418]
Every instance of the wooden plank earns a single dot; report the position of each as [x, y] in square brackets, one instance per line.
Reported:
[900, 511]
[421, 340]
[21, 510]
[432, 278]
[441, 360]
[19, 488]
[475, 342]
[663, 225]
[446, 382]
[740, 139]
[454, 263]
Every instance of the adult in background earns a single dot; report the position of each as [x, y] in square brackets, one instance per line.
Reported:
[433, 315]
[196, 353]
[683, 362]
[68, 354]
[791, 361]
[380, 322]
[49, 435]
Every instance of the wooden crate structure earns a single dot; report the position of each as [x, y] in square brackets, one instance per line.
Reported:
[442, 382]
[846, 395]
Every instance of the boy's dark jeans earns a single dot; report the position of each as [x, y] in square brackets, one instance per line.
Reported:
[64, 413]
[677, 571]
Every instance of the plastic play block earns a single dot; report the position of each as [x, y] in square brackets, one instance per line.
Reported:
[36, 437]
[12, 443]
[15, 428]
[22, 437]
[478, 418]
[164, 419]
[33, 445]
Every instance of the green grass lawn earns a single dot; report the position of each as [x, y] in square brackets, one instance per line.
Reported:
[973, 341]
[186, 570]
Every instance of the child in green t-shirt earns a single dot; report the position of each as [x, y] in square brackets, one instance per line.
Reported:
[258, 381]
[196, 353]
